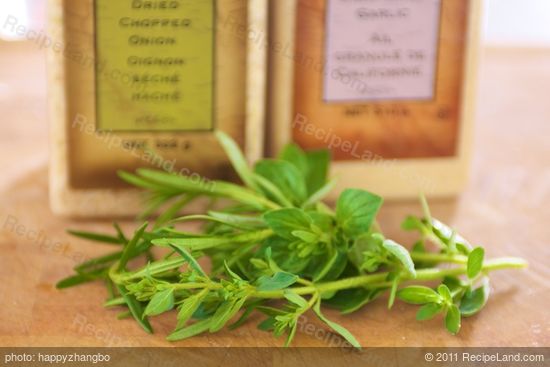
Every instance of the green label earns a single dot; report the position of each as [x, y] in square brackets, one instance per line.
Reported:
[155, 62]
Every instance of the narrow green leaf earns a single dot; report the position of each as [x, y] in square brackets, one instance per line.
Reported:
[119, 301]
[230, 272]
[101, 261]
[136, 309]
[190, 260]
[393, 291]
[428, 311]
[238, 221]
[225, 312]
[280, 280]
[123, 315]
[161, 302]
[270, 311]
[129, 248]
[296, 299]
[237, 159]
[144, 183]
[418, 295]
[190, 331]
[96, 237]
[181, 184]
[452, 320]
[79, 279]
[475, 262]
[120, 233]
[356, 210]
[291, 334]
[245, 315]
[204, 243]
[189, 307]
[268, 324]
[402, 255]
[336, 327]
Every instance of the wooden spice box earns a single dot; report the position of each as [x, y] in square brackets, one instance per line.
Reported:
[387, 85]
[146, 84]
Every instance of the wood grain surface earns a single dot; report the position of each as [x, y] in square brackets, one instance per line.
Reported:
[505, 209]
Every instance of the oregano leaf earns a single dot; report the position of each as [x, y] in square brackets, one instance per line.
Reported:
[475, 262]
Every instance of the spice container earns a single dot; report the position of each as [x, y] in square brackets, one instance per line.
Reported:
[386, 85]
[146, 84]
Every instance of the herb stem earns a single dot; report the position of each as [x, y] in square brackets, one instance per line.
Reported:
[379, 280]
[439, 258]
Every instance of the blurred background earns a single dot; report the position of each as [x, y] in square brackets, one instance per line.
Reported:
[516, 41]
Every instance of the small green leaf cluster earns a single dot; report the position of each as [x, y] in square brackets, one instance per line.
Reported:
[271, 246]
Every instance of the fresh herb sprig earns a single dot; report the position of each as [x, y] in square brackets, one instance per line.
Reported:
[275, 248]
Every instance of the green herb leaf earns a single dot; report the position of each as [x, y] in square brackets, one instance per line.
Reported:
[402, 255]
[268, 324]
[428, 311]
[161, 302]
[190, 331]
[129, 248]
[97, 237]
[189, 307]
[237, 159]
[318, 163]
[204, 243]
[393, 291]
[336, 327]
[292, 153]
[296, 299]
[189, 259]
[225, 312]
[280, 280]
[356, 210]
[136, 309]
[238, 221]
[452, 320]
[474, 300]
[81, 279]
[245, 315]
[286, 177]
[445, 293]
[285, 221]
[419, 295]
[350, 300]
[475, 262]
[306, 236]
